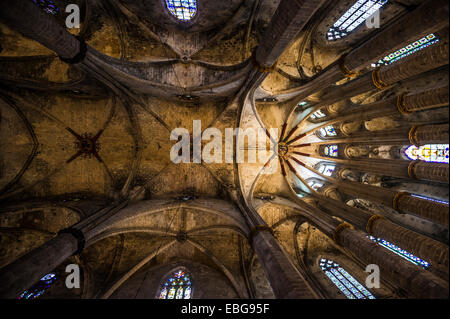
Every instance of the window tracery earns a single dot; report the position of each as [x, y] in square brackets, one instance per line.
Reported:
[354, 17]
[183, 10]
[39, 288]
[178, 286]
[435, 153]
[349, 286]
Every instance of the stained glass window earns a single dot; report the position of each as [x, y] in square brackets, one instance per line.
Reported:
[178, 286]
[327, 169]
[40, 288]
[436, 153]
[317, 115]
[183, 10]
[407, 50]
[349, 286]
[331, 150]
[402, 253]
[354, 17]
[431, 199]
[48, 6]
[328, 131]
[315, 184]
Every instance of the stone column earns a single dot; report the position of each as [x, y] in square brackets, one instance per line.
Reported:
[415, 281]
[401, 202]
[27, 18]
[429, 134]
[437, 172]
[289, 19]
[424, 247]
[429, 209]
[284, 278]
[410, 103]
[428, 59]
[22, 273]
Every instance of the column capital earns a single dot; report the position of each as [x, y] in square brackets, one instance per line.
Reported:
[395, 201]
[372, 221]
[339, 229]
[78, 234]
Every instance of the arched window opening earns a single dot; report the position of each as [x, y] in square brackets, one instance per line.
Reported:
[326, 169]
[349, 286]
[407, 50]
[183, 10]
[402, 253]
[328, 131]
[331, 150]
[354, 17]
[318, 115]
[47, 5]
[314, 184]
[40, 288]
[178, 286]
[435, 153]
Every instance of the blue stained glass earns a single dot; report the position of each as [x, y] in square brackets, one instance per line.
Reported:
[408, 50]
[402, 253]
[40, 288]
[183, 10]
[348, 285]
[178, 286]
[331, 150]
[434, 153]
[328, 131]
[431, 199]
[354, 17]
[327, 169]
[47, 5]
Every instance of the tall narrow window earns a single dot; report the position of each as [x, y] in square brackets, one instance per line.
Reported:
[407, 50]
[315, 184]
[331, 150]
[437, 153]
[183, 10]
[402, 253]
[328, 131]
[326, 169]
[178, 286]
[354, 17]
[47, 5]
[40, 288]
[349, 286]
[317, 115]
[431, 199]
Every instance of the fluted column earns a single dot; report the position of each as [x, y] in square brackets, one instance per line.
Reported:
[417, 102]
[429, 209]
[437, 172]
[381, 78]
[429, 134]
[424, 247]
[401, 202]
[415, 281]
